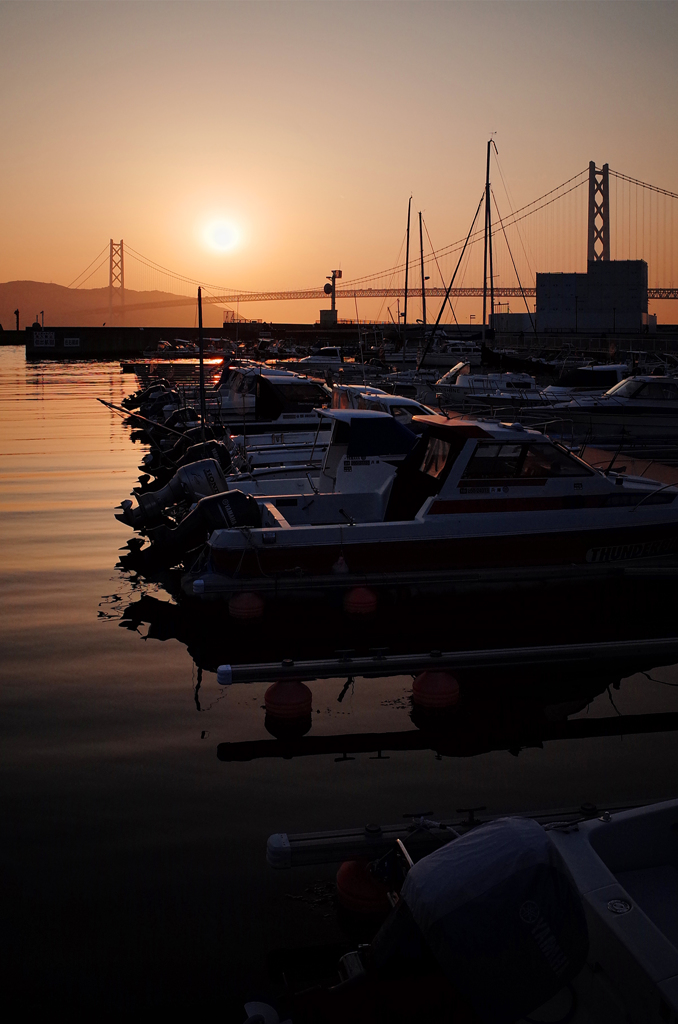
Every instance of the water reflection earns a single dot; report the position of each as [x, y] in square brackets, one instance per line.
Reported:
[505, 618]
[511, 698]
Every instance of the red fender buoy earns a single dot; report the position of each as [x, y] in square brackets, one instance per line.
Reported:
[288, 698]
[360, 601]
[359, 891]
[435, 689]
[246, 606]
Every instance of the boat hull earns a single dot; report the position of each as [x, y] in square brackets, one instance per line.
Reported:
[439, 564]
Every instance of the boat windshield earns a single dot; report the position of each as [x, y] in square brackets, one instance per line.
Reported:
[404, 413]
[435, 457]
[626, 388]
[658, 391]
[508, 461]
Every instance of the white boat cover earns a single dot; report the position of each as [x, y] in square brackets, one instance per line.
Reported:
[501, 916]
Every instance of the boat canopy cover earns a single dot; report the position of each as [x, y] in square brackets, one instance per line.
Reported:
[501, 916]
[457, 427]
[373, 436]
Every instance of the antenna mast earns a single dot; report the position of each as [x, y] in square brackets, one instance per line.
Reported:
[423, 276]
[407, 266]
[488, 241]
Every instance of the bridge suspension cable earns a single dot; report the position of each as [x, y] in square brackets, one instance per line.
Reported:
[644, 184]
[513, 218]
[105, 260]
[643, 220]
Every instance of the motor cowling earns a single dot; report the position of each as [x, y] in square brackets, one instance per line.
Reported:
[216, 450]
[147, 394]
[231, 510]
[190, 483]
[501, 916]
[180, 417]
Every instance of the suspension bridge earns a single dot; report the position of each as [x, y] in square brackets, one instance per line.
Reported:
[598, 213]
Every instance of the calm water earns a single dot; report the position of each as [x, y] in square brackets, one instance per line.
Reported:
[134, 859]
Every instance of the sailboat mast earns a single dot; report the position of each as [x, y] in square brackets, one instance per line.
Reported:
[407, 266]
[202, 367]
[423, 277]
[489, 240]
[488, 235]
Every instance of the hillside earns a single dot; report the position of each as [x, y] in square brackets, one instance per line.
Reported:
[88, 307]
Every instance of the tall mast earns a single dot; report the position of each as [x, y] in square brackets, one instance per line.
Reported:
[488, 239]
[423, 276]
[202, 367]
[407, 266]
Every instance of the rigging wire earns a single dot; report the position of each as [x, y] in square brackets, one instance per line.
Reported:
[455, 246]
[522, 290]
[510, 202]
[440, 271]
[383, 301]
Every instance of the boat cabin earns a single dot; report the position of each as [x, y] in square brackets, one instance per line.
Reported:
[470, 466]
[647, 394]
[646, 389]
[402, 409]
[345, 396]
[361, 396]
[270, 395]
[329, 355]
[485, 383]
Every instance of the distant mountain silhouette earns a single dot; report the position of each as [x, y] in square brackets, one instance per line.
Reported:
[88, 307]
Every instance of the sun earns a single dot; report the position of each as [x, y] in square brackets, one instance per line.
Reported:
[221, 235]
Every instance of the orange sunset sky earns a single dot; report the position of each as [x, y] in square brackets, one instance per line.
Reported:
[259, 145]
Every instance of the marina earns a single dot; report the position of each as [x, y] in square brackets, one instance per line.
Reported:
[339, 507]
[592, 682]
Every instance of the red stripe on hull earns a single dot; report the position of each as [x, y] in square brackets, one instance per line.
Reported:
[532, 550]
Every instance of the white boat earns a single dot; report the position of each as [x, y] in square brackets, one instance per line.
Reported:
[471, 495]
[251, 395]
[625, 866]
[463, 390]
[350, 478]
[356, 396]
[597, 897]
[637, 409]
[328, 358]
[519, 392]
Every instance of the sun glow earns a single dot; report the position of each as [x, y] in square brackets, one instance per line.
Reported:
[221, 235]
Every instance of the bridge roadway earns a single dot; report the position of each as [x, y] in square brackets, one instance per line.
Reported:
[357, 293]
[393, 293]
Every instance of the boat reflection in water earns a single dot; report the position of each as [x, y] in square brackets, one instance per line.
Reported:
[512, 680]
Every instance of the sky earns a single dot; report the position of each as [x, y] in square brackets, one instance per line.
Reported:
[292, 134]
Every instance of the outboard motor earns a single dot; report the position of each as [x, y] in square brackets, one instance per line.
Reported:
[180, 417]
[146, 394]
[156, 460]
[216, 450]
[221, 511]
[190, 483]
[154, 405]
[497, 912]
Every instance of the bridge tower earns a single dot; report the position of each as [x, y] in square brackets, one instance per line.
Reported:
[599, 213]
[116, 280]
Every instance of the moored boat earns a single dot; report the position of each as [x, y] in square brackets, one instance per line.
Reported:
[470, 496]
[640, 409]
